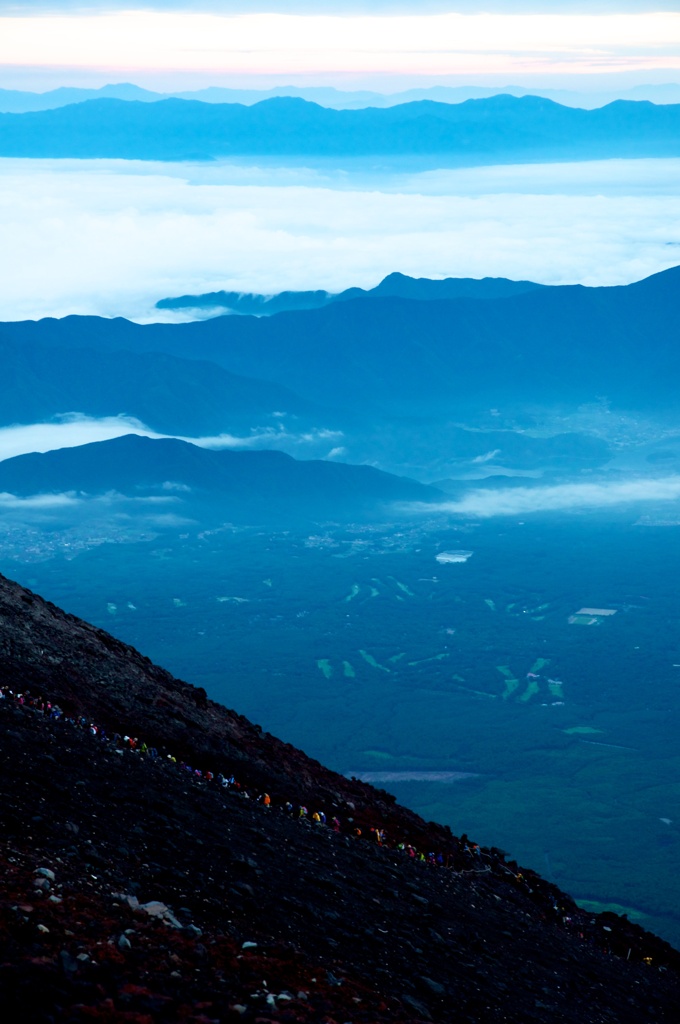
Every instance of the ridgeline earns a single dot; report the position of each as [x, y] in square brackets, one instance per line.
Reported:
[499, 129]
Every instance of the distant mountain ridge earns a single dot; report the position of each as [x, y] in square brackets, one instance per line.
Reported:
[251, 485]
[395, 285]
[426, 387]
[475, 132]
[14, 101]
[169, 394]
[384, 353]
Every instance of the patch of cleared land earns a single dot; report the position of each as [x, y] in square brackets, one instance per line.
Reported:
[424, 661]
[370, 660]
[591, 616]
[531, 691]
[511, 684]
[402, 586]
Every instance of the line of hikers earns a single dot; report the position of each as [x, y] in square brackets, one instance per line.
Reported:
[465, 855]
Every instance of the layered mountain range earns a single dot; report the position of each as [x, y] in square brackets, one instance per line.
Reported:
[390, 350]
[137, 887]
[499, 129]
[421, 378]
[16, 101]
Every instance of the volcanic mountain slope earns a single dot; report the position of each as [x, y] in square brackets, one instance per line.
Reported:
[134, 890]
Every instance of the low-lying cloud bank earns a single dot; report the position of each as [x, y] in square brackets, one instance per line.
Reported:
[73, 429]
[38, 501]
[66, 431]
[559, 498]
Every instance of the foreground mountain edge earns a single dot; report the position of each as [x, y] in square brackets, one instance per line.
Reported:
[140, 884]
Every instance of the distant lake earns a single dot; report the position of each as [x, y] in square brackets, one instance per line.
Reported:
[377, 778]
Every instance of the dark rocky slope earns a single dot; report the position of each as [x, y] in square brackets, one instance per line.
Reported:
[344, 930]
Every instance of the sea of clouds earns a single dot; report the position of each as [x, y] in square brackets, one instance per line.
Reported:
[112, 237]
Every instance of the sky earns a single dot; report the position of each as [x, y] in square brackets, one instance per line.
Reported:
[175, 45]
[341, 6]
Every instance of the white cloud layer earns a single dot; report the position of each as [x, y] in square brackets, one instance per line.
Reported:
[563, 497]
[73, 429]
[38, 501]
[66, 432]
[111, 238]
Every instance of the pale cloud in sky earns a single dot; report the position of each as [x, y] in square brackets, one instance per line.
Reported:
[18, 7]
[294, 44]
[110, 238]
[514, 501]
